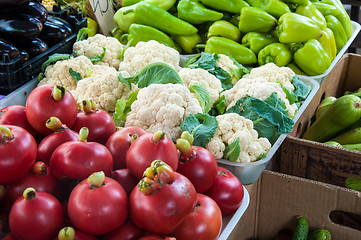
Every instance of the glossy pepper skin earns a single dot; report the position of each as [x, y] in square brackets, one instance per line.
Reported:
[165, 4]
[328, 42]
[232, 6]
[253, 19]
[256, 40]
[296, 69]
[274, 7]
[188, 42]
[312, 58]
[124, 17]
[297, 2]
[194, 12]
[338, 31]
[229, 47]
[293, 27]
[312, 12]
[278, 53]
[223, 28]
[326, 9]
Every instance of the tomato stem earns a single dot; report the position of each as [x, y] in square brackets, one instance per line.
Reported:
[185, 149]
[58, 93]
[158, 136]
[83, 134]
[29, 193]
[87, 106]
[5, 134]
[39, 169]
[54, 123]
[187, 136]
[133, 137]
[66, 233]
[96, 179]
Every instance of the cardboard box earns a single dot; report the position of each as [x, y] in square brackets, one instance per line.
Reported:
[315, 160]
[276, 198]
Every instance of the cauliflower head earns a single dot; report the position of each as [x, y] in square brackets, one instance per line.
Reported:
[163, 107]
[198, 75]
[145, 53]
[260, 88]
[103, 86]
[274, 73]
[93, 47]
[232, 126]
[58, 73]
[226, 63]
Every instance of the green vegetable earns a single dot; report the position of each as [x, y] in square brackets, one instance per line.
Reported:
[339, 32]
[256, 40]
[274, 7]
[188, 42]
[328, 42]
[202, 96]
[324, 105]
[326, 9]
[219, 106]
[278, 53]
[354, 146]
[353, 183]
[202, 126]
[297, 2]
[223, 28]
[75, 74]
[356, 93]
[296, 69]
[83, 34]
[256, 20]
[53, 59]
[124, 17]
[165, 4]
[301, 230]
[232, 151]
[194, 12]
[351, 136]
[333, 143]
[312, 12]
[98, 58]
[123, 107]
[152, 73]
[232, 6]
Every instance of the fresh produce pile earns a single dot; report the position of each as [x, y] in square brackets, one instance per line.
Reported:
[305, 35]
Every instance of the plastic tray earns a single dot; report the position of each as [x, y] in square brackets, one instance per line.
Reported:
[248, 173]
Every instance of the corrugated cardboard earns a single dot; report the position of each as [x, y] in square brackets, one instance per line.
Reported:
[277, 198]
[314, 160]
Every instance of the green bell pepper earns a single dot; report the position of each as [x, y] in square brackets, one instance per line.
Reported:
[312, 58]
[124, 17]
[326, 9]
[274, 7]
[296, 2]
[194, 12]
[278, 53]
[338, 31]
[231, 48]
[328, 42]
[225, 29]
[296, 69]
[312, 12]
[256, 40]
[233, 6]
[188, 42]
[165, 4]
[293, 27]
[253, 19]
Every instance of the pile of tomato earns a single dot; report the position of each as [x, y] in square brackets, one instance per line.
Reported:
[67, 172]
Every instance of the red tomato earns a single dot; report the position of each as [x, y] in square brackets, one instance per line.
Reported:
[119, 143]
[128, 231]
[17, 153]
[41, 105]
[16, 115]
[98, 209]
[144, 150]
[227, 191]
[126, 179]
[204, 223]
[38, 216]
[73, 234]
[155, 237]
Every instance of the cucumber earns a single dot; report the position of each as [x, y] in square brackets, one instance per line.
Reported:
[355, 147]
[333, 143]
[324, 105]
[351, 136]
[301, 230]
[320, 234]
[353, 183]
[344, 112]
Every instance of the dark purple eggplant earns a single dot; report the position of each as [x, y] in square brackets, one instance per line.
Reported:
[60, 21]
[53, 33]
[36, 10]
[8, 51]
[24, 55]
[8, 6]
[21, 26]
[33, 47]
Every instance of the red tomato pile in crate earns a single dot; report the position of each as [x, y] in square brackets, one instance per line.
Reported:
[66, 172]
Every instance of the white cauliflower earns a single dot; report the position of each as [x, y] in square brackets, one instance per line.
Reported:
[274, 73]
[58, 73]
[93, 46]
[163, 107]
[259, 88]
[232, 126]
[212, 84]
[103, 86]
[145, 53]
[226, 63]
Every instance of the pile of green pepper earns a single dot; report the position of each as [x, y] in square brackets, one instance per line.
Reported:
[304, 35]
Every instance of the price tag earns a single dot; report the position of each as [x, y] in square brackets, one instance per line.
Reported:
[104, 12]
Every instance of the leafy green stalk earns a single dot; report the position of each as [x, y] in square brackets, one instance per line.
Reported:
[75, 74]
[53, 59]
[232, 151]
[123, 107]
[202, 96]
[98, 58]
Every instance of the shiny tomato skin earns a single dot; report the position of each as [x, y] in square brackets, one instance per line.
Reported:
[77, 160]
[16, 155]
[144, 151]
[227, 191]
[16, 115]
[126, 179]
[119, 142]
[39, 218]
[204, 223]
[201, 170]
[161, 212]
[40, 106]
[99, 210]
[128, 231]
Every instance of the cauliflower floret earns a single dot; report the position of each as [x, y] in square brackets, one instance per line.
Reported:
[58, 74]
[145, 53]
[259, 88]
[273, 73]
[212, 84]
[163, 107]
[103, 86]
[232, 126]
[226, 63]
[93, 47]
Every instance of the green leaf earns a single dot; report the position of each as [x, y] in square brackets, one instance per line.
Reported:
[82, 34]
[75, 75]
[98, 58]
[232, 151]
[123, 107]
[301, 89]
[202, 126]
[202, 96]
[191, 60]
[53, 59]
[290, 95]
[219, 106]
[240, 71]
[353, 183]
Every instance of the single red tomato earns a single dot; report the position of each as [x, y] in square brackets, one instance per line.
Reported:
[98, 205]
[119, 143]
[69, 233]
[126, 179]
[47, 101]
[149, 147]
[36, 215]
[17, 153]
[155, 237]
[227, 191]
[16, 115]
[128, 231]
[204, 223]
